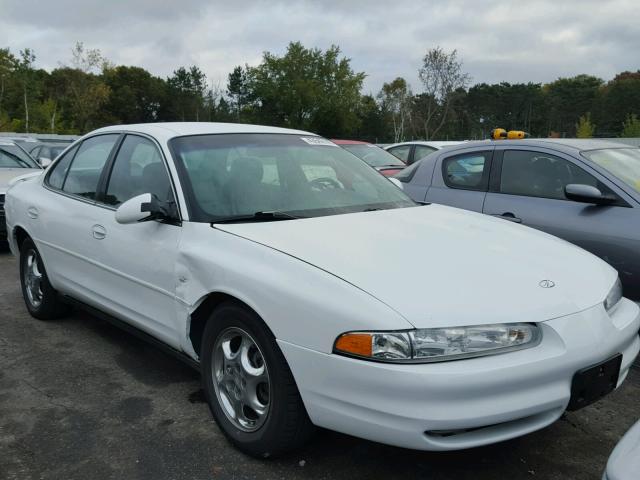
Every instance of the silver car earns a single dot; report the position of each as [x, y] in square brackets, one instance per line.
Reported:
[14, 162]
[584, 191]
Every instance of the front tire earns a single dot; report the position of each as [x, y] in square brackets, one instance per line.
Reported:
[249, 386]
[41, 299]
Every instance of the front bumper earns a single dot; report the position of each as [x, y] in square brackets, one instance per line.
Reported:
[465, 403]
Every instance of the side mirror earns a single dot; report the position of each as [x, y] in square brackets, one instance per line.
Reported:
[396, 182]
[44, 162]
[587, 194]
[142, 208]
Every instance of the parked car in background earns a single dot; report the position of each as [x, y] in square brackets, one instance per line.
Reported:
[624, 462]
[263, 255]
[26, 142]
[584, 191]
[14, 162]
[45, 153]
[411, 152]
[373, 155]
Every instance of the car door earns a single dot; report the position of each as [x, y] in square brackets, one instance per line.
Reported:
[137, 262]
[461, 179]
[528, 187]
[62, 217]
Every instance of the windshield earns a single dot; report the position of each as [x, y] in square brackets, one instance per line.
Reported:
[374, 156]
[623, 163]
[12, 156]
[302, 176]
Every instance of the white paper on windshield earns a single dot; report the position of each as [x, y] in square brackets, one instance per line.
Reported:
[318, 141]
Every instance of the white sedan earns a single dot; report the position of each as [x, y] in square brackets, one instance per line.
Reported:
[311, 291]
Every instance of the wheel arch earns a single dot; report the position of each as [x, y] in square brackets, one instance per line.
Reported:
[200, 316]
[19, 235]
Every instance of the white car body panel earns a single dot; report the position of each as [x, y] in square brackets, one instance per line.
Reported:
[444, 264]
[312, 279]
[9, 176]
[624, 462]
[510, 395]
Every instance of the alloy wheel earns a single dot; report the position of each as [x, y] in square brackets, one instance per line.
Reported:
[241, 379]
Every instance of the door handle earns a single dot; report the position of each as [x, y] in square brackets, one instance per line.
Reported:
[509, 216]
[32, 212]
[98, 232]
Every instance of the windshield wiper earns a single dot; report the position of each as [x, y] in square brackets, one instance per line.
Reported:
[271, 216]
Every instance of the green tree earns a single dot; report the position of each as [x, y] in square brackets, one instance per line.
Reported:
[187, 89]
[395, 98]
[618, 99]
[584, 127]
[308, 89]
[371, 121]
[8, 65]
[441, 75]
[631, 127]
[568, 99]
[136, 95]
[25, 71]
[238, 89]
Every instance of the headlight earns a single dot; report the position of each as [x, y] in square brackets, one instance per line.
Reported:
[615, 295]
[438, 344]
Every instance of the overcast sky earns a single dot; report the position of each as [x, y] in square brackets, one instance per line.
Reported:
[536, 41]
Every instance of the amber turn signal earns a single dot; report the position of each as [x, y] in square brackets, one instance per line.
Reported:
[355, 344]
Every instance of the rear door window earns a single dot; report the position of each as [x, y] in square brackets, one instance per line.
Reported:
[86, 168]
[422, 151]
[402, 152]
[467, 171]
[58, 172]
[138, 169]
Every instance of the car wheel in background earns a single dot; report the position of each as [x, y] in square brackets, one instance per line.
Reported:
[249, 386]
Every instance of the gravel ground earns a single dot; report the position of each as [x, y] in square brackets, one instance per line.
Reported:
[81, 399]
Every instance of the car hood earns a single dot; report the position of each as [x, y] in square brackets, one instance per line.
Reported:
[8, 174]
[441, 266]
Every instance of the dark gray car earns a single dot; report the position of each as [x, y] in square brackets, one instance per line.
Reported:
[585, 191]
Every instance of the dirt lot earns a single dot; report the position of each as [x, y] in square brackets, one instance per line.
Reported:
[81, 399]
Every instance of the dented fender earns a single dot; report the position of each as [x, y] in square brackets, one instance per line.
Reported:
[299, 302]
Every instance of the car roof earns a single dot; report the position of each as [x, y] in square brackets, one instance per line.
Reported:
[6, 143]
[435, 144]
[570, 145]
[349, 142]
[176, 129]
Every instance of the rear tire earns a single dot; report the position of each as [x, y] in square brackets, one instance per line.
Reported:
[41, 299]
[252, 395]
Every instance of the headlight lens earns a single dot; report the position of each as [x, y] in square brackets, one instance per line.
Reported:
[438, 344]
[615, 295]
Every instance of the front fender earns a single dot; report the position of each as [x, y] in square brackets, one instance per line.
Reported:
[299, 302]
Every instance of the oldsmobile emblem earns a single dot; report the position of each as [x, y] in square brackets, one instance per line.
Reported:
[547, 284]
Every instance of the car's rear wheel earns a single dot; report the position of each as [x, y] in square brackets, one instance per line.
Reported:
[249, 386]
[41, 299]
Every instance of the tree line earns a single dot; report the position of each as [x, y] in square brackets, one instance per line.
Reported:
[315, 90]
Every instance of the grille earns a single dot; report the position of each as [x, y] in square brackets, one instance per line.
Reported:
[1, 203]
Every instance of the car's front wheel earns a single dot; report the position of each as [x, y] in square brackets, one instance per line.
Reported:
[41, 299]
[249, 386]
